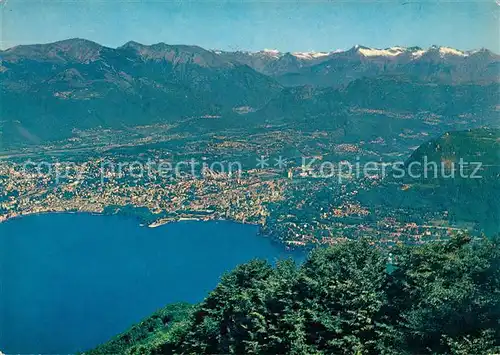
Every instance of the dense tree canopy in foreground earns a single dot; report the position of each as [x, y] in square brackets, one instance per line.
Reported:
[437, 298]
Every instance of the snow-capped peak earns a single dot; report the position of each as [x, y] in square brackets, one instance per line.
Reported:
[310, 55]
[451, 51]
[392, 52]
[271, 52]
[418, 53]
[274, 53]
[415, 52]
[374, 52]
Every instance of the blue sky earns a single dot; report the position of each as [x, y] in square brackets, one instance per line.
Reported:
[255, 25]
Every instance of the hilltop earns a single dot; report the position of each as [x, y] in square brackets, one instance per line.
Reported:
[438, 182]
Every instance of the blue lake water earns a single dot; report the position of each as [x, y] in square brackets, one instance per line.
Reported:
[71, 281]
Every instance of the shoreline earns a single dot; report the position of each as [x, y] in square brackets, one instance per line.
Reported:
[144, 224]
[263, 232]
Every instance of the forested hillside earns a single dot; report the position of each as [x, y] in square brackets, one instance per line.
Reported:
[350, 298]
[457, 172]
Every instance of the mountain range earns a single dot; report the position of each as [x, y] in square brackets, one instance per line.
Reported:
[49, 90]
[289, 68]
[337, 68]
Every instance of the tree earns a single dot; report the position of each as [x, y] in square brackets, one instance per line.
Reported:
[438, 298]
[447, 296]
[341, 290]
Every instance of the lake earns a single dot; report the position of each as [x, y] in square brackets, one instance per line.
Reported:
[69, 282]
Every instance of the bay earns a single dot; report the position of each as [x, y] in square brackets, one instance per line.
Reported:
[69, 282]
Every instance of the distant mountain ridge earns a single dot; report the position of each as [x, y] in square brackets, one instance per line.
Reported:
[442, 64]
[396, 60]
[52, 89]
[49, 90]
[397, 53]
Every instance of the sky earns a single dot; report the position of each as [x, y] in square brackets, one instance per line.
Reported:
[255, 25]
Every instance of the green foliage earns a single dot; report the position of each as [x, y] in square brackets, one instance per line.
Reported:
[469, 195]
[342, 293]
[447, 295]
[152, 335]
[439, 298]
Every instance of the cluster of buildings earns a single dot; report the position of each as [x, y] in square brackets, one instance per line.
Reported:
[298, 210]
